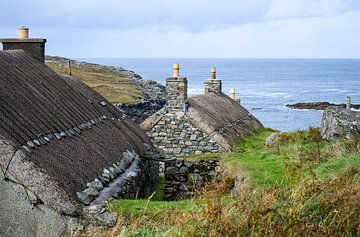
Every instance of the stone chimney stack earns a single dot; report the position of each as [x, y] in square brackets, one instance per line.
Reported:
[213, 85]
[176, 91]
[33, 46]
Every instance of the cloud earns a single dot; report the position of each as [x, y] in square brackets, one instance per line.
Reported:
[189, 15]
[281, 9]
[333, 36]
[202, 28]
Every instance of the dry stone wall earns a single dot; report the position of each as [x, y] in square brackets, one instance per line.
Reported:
[183, 176]
[132, 177]
[176, 135]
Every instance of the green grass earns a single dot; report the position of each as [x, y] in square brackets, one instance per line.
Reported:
[137, 208]
[263, 168]
[299, 185]
[266, 166]
[153, 206]
[159, 190]
[336, 166]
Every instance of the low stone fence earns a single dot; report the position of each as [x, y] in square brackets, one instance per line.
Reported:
[183, 176]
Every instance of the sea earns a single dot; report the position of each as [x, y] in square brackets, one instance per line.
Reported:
[264, 86]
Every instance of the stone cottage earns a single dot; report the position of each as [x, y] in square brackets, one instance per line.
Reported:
[64, 150]
[208, 123]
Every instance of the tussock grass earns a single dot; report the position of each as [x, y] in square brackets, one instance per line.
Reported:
[299, 186]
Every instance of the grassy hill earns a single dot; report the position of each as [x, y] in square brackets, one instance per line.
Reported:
[298, 185]
[110, 82]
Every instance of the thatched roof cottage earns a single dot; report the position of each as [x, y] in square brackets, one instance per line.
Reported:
[64, 150]
[208, 123]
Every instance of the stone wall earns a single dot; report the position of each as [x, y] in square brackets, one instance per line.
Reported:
[130, 178]
[183, 176]
[36, 49]
[176, 135]
[213, 85]
[176, 93]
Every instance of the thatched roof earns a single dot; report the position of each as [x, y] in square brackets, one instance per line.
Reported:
[35, 103]
[224, 119]
[221, 117]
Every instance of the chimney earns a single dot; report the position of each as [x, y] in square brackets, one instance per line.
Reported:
[23, 32]
[233, 95]
[33, 46]
[213, 85]
[176, 91]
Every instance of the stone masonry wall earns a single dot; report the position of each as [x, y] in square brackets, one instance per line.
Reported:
[183, 176]
[37, 50]
[176, 93]
[176, 135]
[213, 85]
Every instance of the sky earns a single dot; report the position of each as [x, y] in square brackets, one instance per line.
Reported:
[189, 28]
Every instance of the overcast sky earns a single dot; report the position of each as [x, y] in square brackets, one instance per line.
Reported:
[189, 28]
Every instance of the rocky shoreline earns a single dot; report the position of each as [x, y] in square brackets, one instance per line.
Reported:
[319, 105]
[154, 99]
[153, 93]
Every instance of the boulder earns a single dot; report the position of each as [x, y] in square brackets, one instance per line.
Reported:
[338, 122]
[270, 139]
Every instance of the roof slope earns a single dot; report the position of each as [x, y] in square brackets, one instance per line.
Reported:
[37, 103]
[224, 119]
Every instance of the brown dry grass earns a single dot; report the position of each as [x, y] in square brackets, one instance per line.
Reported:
[114, 88]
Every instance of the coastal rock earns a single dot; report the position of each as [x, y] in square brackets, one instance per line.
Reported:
[318, 105]
[154, 99]
[338, 122]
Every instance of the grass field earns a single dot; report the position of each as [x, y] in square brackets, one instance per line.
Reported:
[297, 186]
[115, 89]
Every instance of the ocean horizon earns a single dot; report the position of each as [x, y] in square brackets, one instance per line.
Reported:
[264, 86]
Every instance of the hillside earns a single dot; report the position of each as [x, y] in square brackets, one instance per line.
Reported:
[135, 97]
[111, 82]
